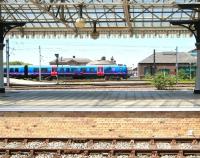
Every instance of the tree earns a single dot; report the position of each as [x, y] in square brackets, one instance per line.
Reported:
[18, 63]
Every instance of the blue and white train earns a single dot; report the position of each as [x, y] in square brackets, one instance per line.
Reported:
[86, 71]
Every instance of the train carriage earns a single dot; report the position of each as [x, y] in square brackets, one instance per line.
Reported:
[84, 71]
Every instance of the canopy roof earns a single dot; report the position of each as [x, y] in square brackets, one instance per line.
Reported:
[113, 17]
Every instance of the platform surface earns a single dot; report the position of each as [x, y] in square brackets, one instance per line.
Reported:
[99, 100]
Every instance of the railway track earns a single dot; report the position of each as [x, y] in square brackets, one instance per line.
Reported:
[99, 148]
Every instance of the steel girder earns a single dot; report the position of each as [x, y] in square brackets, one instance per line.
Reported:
[114, 17]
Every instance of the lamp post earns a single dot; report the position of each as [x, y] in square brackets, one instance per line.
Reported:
[176, 65]
[57, 56]
[7, 62]
[40, 76]
[190, 71]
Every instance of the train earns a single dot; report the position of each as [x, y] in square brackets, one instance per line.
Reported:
[74, 72]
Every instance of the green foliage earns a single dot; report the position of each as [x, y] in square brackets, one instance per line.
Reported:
[148, 76]
[182, 74]
[162, 81]
[18, 63]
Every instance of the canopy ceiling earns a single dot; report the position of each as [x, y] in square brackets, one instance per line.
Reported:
[114, 17]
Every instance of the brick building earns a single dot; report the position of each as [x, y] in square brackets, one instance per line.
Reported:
[166, 62]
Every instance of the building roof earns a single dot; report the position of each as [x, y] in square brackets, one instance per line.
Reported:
[101, 62]
[71, 61]
[169, 57]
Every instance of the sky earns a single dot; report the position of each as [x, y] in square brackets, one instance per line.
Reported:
[128, 51]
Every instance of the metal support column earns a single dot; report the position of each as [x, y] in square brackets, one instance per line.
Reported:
[5, 27]
[197, 83]
[2, 88]
[194, 27]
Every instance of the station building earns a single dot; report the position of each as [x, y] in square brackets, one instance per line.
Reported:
[70, 61]
[83, 61]
[166, 62]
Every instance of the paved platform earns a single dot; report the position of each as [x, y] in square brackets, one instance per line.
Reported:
[100, 124]
[99, 100]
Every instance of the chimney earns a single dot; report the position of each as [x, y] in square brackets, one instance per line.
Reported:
[103, 58]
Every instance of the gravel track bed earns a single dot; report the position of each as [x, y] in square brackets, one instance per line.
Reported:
[95, 145]
[78, 145]
[52, 155]
[142, 145]
[102, 145]
[123, 145]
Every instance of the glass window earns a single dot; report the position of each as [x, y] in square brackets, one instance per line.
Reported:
[92, 69]
[54, 69]
[73, 69]
[107, 69]
[83, 70]
[35, 69]
[62, 70]
[11, 69]
[5, 70]
[16, 69]
[100, 69]
[44, 70]
[120, 69]
[67, 69]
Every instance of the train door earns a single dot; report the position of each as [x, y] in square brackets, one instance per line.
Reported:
[54, 71]
[26, 71]
[100, 71]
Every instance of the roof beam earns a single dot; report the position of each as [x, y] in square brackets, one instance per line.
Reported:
[127, 15]
[36, 3]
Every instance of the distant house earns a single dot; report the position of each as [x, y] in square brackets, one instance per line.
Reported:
[103, 61]
[71, 61]
[166, 62]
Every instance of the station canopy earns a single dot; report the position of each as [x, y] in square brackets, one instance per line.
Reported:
[107, 18]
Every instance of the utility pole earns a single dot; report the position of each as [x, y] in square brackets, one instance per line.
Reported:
[57, 63]
[176, 65]
[40, 76]
[7, 63]
[154, 62]
[190, 71]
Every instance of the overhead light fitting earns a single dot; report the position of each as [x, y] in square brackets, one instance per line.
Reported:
[94, 34]
[80, 22]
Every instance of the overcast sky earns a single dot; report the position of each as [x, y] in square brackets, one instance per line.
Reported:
[127, 51]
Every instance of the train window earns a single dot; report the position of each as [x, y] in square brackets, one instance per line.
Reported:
[100, 69]
[83, 70]
[5, 70]
[73, 69]
[62, 70]
[120, 69]
[44, 70]
[35, 69]
[54, 69]
[107, 69]
[67, 69]
[16, 69]
[92, 69]
[11, 69]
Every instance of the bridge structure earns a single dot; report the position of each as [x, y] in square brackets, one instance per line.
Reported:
[98, 19]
